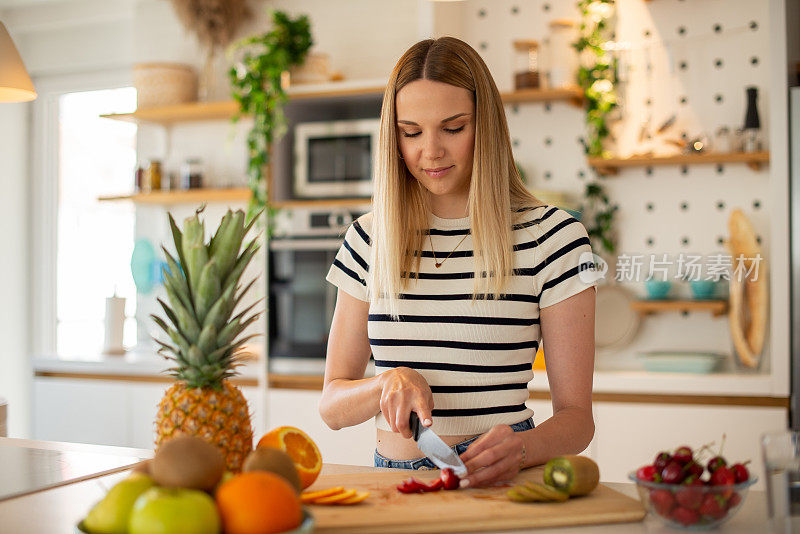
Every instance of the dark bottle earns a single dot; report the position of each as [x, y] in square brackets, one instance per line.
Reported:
[752, 124]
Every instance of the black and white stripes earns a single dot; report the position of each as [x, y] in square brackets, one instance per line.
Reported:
[475, 355]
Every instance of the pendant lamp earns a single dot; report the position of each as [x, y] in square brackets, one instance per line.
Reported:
[15, 84]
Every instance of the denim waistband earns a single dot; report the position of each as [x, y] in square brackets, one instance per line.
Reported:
[426, 463]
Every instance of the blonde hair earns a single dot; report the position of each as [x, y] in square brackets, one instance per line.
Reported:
[400, 204]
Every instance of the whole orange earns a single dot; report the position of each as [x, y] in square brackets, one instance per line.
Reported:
[258, 502]
[300, 447]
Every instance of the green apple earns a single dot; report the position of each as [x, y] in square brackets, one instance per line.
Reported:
[111, 514]
[170, 510]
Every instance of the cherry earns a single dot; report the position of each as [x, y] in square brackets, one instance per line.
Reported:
[661, 461]
[683, 455]
[673, 473]
[647, 472]
[715, 463]
[723, 477]
[694, 468]
[740, 473]
[685, 517]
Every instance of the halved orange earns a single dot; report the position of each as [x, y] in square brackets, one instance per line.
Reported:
[301, 448]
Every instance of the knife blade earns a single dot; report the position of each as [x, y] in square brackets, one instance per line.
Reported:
[434, 448]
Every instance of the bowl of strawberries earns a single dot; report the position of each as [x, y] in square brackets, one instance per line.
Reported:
[686, 492]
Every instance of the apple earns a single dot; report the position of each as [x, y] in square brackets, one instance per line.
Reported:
[167, 510]
[111, 514]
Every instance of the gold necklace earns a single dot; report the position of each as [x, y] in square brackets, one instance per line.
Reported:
[435, 260]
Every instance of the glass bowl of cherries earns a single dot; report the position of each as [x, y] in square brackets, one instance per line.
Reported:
[685, 494]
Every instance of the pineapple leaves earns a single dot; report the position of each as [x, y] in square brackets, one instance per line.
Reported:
[208, 289]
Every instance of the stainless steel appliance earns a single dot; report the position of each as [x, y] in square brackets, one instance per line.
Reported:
[301, 301]
[335, 158]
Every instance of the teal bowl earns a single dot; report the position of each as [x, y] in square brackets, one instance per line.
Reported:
[703, 289]
[657, 289]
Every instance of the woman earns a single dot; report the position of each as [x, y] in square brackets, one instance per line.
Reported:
[450, 343]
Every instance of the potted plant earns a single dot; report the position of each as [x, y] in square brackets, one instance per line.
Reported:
[256, 85]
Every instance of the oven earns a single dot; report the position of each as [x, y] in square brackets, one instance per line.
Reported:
[301, 301]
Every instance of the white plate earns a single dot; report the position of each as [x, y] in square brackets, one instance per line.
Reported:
[616, 323]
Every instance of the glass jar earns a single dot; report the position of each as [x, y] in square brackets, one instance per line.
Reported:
[152, 180]
[562, 58]
[526, 64]
[192, 174]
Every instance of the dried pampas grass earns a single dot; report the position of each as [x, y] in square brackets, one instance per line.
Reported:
[214, 21]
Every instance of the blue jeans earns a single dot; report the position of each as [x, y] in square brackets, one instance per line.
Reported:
[426, 463]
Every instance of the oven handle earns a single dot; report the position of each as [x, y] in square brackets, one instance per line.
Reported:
[306, 244]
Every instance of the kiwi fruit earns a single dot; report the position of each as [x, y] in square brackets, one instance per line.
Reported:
[576, 475]
[143, 467]
[275, 461]
[188, 462]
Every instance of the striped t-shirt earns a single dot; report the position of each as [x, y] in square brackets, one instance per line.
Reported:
[477, 357]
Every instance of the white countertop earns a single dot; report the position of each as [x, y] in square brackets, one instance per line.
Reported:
[146, 363]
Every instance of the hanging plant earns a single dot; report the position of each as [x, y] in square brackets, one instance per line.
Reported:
[256, 86]
[597, 75]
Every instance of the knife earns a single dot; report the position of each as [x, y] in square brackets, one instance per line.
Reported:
[434, 448]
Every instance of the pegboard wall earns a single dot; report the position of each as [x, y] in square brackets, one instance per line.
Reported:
[690, 59]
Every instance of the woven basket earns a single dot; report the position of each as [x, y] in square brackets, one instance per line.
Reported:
[164, 84]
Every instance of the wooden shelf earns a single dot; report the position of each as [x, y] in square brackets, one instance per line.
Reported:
[321, 203]
[611, 166]
[189, 196]
[573, 95]
[646, 307]
[212, 111]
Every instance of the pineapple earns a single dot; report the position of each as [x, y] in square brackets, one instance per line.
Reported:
[203, 291]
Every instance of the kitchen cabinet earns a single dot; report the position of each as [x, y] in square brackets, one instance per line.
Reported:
[107, 412]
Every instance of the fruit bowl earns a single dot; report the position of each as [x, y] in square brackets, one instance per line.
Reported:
[691, 507]
[306, 527]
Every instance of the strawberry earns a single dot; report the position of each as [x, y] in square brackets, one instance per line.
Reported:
[685, 516]
[690, 497]
[723, 477]
[713, 507]
[663, 502]
[646, 472]
[740, 473]
[734, 500]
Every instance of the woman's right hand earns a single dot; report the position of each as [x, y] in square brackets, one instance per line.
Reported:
[403, 391]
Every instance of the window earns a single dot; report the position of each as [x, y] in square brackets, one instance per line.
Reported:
[96, 157]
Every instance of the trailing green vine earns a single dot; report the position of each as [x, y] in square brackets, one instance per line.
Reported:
[597, 76]
[256, 87]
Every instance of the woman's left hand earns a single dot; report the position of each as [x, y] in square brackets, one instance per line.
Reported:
[494, 457]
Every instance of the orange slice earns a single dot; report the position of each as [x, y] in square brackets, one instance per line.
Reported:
[357, 498]
[311, 496]
[300, 447]
[343, 496]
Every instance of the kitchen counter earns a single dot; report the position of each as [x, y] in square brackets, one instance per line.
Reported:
[57, 510]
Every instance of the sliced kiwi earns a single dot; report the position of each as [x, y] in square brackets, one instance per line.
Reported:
[547, 492]
[518, 494]
[576, 475]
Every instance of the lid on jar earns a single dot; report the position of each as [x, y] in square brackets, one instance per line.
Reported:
[192, 160]
[525, 44]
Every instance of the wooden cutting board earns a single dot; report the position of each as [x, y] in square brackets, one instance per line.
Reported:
[471, 509]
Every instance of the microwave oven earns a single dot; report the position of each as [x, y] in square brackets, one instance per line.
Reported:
[334, 159]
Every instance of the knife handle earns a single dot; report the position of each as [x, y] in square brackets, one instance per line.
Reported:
[415, 425]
